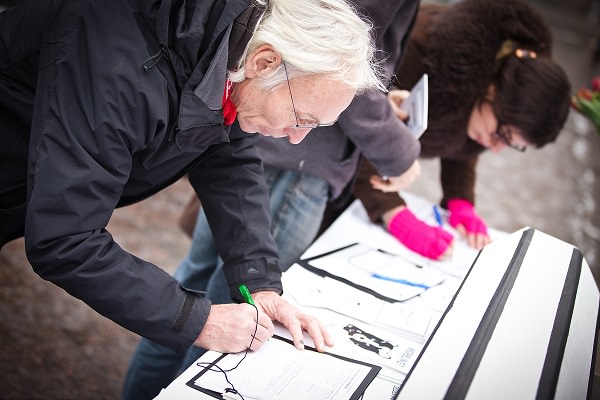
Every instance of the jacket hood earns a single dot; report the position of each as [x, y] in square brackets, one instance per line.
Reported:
[196, 34]
[192, 30]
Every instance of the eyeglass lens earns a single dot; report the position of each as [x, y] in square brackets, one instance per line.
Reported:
[504, 134]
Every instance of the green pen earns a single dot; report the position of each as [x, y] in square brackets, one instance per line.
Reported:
[246, 294]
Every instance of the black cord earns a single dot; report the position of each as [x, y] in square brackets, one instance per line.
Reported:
[208, 366]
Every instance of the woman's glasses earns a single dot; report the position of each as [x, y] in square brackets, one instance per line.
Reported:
[504, 134]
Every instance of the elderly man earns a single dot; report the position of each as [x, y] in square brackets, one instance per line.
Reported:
[104, 103]
[302, 179]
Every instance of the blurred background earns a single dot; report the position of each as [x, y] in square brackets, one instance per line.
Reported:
[53, 346]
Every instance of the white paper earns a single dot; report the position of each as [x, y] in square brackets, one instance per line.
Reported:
[366, 266]
[280, 371]
[372, 344]
[311, 290]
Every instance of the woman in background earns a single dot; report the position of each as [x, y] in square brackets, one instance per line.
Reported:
[492, 85]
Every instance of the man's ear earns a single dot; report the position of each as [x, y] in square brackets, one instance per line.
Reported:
[262, 61]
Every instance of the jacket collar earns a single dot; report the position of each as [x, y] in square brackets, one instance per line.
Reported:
[203, 39]
[242, 30]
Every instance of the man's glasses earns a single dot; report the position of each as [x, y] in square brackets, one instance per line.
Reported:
[504, 134]
[302, 123]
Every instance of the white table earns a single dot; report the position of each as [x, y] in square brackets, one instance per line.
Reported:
[351, 227]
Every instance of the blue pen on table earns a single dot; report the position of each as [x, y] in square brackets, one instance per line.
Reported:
[438, 216]
[246, 294]
[400, 280]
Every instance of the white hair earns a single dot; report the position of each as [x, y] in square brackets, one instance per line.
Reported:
[316, 37]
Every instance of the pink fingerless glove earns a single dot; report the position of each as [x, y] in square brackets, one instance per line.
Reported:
[463, 213]
[427, 240]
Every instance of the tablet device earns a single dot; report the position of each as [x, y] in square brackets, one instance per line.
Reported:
[416, 105]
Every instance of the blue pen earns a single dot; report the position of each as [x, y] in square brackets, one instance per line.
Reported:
[400, 280]
[438, 216]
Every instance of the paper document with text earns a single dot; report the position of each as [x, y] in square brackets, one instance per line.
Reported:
[280, 371]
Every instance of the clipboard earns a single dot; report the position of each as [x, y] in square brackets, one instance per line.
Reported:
[369, 371]
[417, 107]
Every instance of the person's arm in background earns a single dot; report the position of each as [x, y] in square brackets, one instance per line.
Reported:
[458, 183]
[386, 206]
[380, 136]
[389, 209]
[402, 182]
[375, 127]
[375, 202]
[370, 123]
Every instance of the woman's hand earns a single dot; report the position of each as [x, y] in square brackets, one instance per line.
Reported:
[468, 224]
[397, 183]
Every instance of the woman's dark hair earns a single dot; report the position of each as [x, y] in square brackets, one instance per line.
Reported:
[467, 51]
[534, 95]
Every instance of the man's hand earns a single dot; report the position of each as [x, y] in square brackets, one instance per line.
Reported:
[230, 328]
[293, 319]
[397, 183]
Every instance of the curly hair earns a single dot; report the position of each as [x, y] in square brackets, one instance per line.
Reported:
[531, 93]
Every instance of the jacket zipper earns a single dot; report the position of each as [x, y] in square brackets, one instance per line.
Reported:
[153, 60]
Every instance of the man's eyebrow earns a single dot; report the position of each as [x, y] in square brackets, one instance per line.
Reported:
[307, 116]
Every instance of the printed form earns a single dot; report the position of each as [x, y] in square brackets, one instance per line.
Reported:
[280, 371]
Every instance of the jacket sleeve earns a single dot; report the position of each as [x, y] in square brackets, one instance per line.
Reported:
[231, 187]
[374, 201]
[370, 123]
[458, 179]
[80, 159]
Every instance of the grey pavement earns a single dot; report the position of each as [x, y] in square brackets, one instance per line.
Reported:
[54, 347]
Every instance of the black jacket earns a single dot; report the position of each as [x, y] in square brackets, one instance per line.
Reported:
[102, 104]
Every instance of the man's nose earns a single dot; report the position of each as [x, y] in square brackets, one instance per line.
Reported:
[296, 135]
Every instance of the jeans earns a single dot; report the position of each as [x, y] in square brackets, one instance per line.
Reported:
[297, 204]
